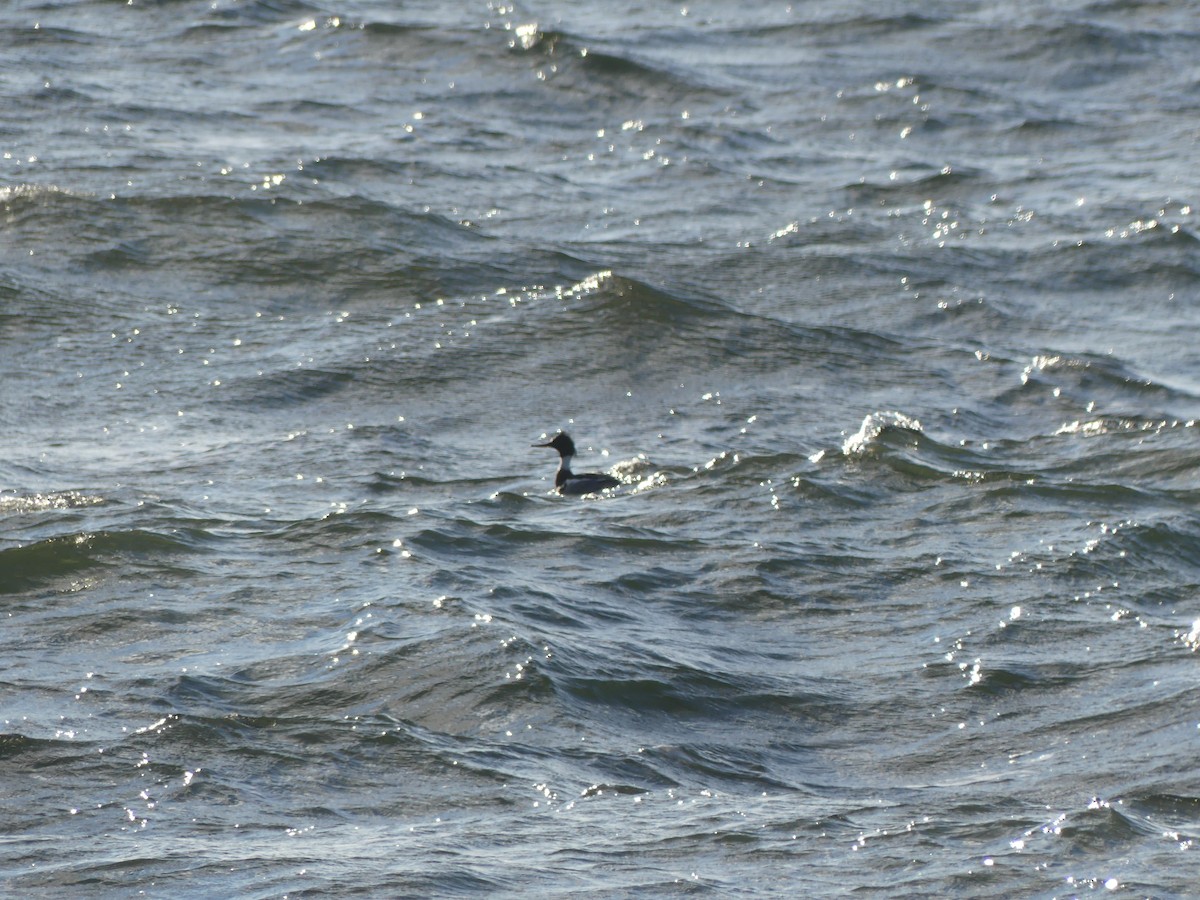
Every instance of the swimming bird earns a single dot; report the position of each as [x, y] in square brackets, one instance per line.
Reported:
[566, 481]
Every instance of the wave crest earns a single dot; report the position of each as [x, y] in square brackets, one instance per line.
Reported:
[873, 426]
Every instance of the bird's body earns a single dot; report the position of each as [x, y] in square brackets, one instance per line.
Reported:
[566, 481]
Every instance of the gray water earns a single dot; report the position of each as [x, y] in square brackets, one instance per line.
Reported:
[885, 315]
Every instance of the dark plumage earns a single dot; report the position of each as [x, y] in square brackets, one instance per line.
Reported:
[566, 481]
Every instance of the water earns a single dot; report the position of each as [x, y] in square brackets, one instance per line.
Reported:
[885, 313]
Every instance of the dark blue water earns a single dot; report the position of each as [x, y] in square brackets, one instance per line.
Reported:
[883, 313]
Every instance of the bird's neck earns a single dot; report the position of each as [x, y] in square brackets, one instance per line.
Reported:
[564, 469]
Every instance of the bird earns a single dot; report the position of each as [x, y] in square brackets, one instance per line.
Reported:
[566, 481]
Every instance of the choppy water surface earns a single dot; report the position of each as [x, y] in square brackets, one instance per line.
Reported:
[885, 314]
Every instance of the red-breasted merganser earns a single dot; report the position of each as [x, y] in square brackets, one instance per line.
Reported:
[566, 481]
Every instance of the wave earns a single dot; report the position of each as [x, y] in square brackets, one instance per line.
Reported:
[610, 72]
[256, 13]
[1173, 543]
[62, 557]
[13, 504]
[291, 387]
[867, 438]
[1148, 259]
[1080, 55]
